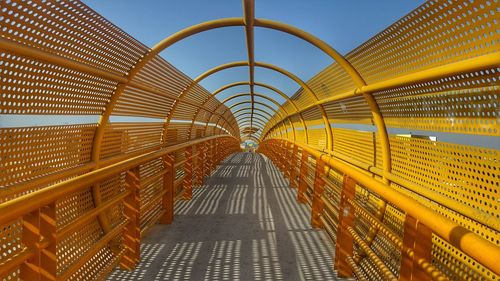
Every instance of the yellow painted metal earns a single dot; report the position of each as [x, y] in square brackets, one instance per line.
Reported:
[244, 102]
[12, 209]
[439, 75]
[280, 93]
[259, 64]
[248, 20]
[461, 238]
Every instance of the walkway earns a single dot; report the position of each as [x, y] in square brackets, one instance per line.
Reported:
[243, 224]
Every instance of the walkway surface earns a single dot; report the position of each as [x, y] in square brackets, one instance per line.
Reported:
[243, 224]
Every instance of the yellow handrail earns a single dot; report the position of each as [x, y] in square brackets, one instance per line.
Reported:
[17, 207]
[458, 236]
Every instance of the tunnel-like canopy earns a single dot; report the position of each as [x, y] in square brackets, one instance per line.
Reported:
[412, 112]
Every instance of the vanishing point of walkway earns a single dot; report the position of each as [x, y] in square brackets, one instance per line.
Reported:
[243, 224]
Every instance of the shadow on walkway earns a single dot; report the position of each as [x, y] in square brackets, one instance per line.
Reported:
[243, 224]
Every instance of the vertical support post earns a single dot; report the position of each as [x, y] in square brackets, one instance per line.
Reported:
[167, 200]
[287, 155]
[199, 165]
[317, 202]
[302, 177]
[208, 158]
[188, 174]
[417, 237]
[293, 169]
[344, 246]
[203, 163]
[282, 156]
[132, 235]
[212, 156]
[39, 235]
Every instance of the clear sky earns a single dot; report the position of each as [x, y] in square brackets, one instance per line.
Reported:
[342, 24]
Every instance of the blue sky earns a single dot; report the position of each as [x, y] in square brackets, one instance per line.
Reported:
[342, 24]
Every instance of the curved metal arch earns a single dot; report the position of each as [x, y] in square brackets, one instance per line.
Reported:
[224, 112]
[165, 43]
[330, 51]
[242, 83]
[257, 109]
[259, 123]
[247, 108]
[257, 116]
[247, 122]
[227, 22]
[246, 94]
[289, 75]
[249, 21]
[266, 117]
[225, 87]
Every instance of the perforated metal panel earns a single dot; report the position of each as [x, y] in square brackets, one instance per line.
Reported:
[436, 116]
[68, 60]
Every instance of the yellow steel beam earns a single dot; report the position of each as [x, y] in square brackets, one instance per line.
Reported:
[310, 92]
[463, 239]
[286, 73]
[268, 115]
[244, 102]
[16, 208]
[248, 20]
[274, 89]
[243, 117]
[247, 94]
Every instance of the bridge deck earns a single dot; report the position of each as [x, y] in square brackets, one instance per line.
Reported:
[242, 224]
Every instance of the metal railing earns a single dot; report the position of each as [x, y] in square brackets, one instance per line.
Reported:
[41, 231]
[337, 192]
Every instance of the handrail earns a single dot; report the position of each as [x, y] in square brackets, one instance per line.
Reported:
[461, 208]
[463, 239]
[17, 207]
[468, 65]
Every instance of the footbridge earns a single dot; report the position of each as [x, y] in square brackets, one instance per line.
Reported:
[384, 166]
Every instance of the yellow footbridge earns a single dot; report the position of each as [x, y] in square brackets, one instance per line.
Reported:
[393, 149]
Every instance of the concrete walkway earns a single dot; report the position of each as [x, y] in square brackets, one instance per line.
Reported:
[243, 224]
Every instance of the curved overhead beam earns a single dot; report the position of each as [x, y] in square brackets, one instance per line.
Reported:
[246, 108]
[305, 36]
[268, 115]
[259, 95]
[246, 94]
[258, 124]
[274, 89]
[257, 112]
[248, 20]
[265, 119]
[286, 73]
[249, 16]
[257, 116]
